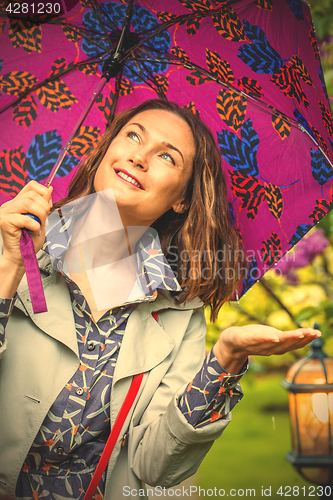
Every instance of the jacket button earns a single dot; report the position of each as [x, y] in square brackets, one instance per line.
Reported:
[91, 346]
[79, 391]
[59, 450]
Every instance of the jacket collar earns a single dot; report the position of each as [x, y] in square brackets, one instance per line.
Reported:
[142, 348]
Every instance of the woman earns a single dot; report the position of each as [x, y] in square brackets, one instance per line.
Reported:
[66, 372]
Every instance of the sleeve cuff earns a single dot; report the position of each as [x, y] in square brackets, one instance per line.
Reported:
[211, 394]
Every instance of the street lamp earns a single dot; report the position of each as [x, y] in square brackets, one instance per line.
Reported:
[310, 385]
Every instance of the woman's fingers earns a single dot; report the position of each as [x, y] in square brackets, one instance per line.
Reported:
[264, 340]
[33, 199]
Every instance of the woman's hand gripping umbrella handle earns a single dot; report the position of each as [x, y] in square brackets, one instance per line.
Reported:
[19, 245]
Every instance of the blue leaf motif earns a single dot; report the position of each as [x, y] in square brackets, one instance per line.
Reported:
[321, 168]
[142, 20]
[296, 7]
[260, 56]
[322, 79]
[301, 230]
[250, 137]
[254, 33]
[240, 154]
[301, 119]
[67, 165]
[42, 154]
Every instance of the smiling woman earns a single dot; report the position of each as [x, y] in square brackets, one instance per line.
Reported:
[65, 373]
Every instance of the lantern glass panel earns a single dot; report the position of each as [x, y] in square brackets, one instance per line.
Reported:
[312, 437]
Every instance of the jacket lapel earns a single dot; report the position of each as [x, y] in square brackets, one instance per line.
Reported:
[58, 321]
[144, 346]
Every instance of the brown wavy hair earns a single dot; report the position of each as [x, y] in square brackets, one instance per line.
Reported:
[203, 232]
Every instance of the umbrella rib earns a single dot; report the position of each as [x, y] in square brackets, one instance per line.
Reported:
[79, 31]
[21, 95]
[177, 20]
[147, 82]
[115, 99]
[124, 30]
[97, 10]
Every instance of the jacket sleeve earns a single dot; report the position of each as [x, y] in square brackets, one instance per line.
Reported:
[6, 307]
[164, 449]
[204, 400]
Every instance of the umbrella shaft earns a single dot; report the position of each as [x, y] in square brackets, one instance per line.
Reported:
[83, 115]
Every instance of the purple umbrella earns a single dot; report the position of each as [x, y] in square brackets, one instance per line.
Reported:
[250, 68]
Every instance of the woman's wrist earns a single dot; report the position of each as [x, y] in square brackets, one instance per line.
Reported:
[231, 362]
[11, 274]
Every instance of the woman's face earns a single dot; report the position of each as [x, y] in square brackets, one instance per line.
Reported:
[148, 165]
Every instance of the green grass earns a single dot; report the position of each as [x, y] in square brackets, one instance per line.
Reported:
[250, 454]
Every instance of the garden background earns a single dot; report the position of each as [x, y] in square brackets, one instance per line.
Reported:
[251, 453]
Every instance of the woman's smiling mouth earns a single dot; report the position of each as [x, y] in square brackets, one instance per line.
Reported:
[125, 176]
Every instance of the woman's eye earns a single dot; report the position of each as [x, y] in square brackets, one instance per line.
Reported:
[134, 136]
[167, 157]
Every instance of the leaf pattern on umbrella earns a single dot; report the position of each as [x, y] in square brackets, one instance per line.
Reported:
[312, 36]
[232, 108]
[13, 176]
[228, 25]
[86, 140]
[251, 87]
[327, 117]
[42, 154]
[17, 81]
[320, 167]
[321, 209]
[26, 34]
[274, 200]
[26, 112]
[296, 7]
[104, 104]
[141, 21]
[265, 4]
[259, 54]
[301, 231]
[281, 124]
[217, 67]
[249, 191]
[271, 250]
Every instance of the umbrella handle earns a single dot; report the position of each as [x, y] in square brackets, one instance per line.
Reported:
[34, 217]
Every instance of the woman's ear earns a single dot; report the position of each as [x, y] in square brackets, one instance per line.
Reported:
[180, 207]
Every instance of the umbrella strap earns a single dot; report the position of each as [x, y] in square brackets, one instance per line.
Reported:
[115, 431]
[32, 272]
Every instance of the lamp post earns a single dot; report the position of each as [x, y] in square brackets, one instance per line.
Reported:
[310, 385]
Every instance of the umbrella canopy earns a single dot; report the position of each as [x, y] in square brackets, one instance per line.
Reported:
[250, 68]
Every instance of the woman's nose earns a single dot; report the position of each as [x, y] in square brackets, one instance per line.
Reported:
[139, 160]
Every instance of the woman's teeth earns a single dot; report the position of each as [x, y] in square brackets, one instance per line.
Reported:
[128, 179]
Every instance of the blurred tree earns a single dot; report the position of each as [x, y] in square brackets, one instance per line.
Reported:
[322, 15]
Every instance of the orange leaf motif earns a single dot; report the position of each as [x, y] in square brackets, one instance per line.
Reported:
[281, 124]
[229, 26]
[274, 200]
[26, 35]
[231, 108]
[220, 69]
